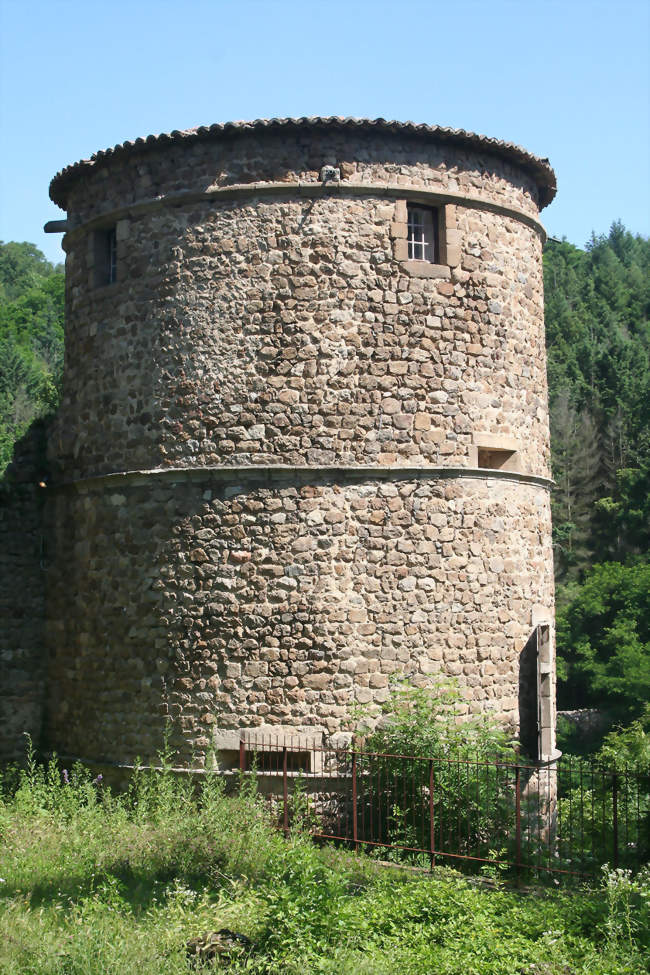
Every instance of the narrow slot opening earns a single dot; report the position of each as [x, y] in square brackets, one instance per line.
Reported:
[105, 256]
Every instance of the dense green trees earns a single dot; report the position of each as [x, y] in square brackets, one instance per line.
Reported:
[604, 631]
[31, 340]
[598, 337]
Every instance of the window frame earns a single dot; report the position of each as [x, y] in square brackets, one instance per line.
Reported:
[537, 694]
[422, 229]
[446, 243]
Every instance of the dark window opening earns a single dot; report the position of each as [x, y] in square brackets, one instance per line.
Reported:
[264, 760]
[423, 234]
[105, 256]
[493, 459]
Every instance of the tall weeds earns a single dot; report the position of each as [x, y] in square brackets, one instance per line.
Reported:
[93, 881]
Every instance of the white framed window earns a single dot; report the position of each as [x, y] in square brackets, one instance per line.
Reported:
[422, 234]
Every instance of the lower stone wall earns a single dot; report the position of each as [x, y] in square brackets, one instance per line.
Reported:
[22, 597]
[280, 599]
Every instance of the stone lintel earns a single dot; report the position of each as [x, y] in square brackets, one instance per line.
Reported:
[495, 441]
[423, 269]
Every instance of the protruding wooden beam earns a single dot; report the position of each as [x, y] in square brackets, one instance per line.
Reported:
[56, 227]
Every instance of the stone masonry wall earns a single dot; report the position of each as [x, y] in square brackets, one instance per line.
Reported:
[245, 604]
[293, 157]
[285, 332]
[23, 555]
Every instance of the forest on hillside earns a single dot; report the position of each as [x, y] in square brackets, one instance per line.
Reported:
[598, 340]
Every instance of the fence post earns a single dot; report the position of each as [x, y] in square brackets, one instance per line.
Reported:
[355, 835]
[242, 755]
[615, 816]
[518, 818]
[284, 790]
[432, 832]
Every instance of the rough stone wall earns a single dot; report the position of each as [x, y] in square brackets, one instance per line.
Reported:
[312, 406]
[22, 597]
[293, 157]
[280, 601]
[286, 332]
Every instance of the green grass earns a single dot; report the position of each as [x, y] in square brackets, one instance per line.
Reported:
[95, 883]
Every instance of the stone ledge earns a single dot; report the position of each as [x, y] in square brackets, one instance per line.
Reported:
[424, 269]
[282, 471]
[270, 740]
[269, 737]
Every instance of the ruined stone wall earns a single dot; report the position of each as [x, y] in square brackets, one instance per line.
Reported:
[317, 403]
[23, 562]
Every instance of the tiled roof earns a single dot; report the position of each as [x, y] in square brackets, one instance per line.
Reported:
[539, 169]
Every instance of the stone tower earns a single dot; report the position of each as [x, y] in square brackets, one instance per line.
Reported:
[303, 443]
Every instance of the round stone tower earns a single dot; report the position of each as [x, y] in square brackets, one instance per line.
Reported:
[303, 443]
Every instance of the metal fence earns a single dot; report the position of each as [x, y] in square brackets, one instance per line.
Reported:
[562, 818]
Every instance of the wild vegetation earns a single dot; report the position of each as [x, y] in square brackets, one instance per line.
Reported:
[472, 775]
[31, 340]
[93, 882]
[598, 341]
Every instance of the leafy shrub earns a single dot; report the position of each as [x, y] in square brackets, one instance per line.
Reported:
[586, 799]
[628, 745]
[425, 721]
[468, 765]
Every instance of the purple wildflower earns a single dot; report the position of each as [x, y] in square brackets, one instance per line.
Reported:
[66, 778]
[98, 780]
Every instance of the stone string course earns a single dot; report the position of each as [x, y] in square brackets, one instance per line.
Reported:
[279, 331]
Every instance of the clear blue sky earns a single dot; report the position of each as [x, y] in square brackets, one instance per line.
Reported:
[568, 80]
